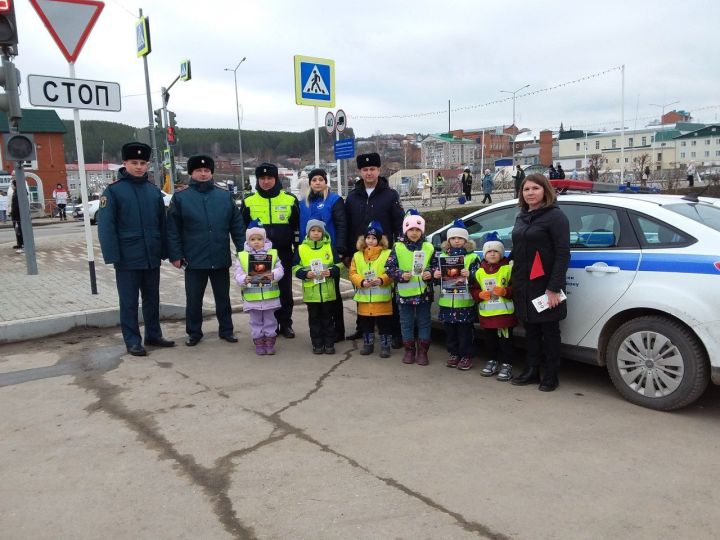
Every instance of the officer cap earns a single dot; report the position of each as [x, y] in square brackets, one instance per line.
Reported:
[136, 150]
[200, 161]
[266, 169]
[368, 160]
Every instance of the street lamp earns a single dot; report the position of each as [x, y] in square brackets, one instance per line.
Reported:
[663, 107]
[237, 110]
[513, 100]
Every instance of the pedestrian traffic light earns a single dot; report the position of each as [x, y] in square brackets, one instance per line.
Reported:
[158, 117]
[171, 119]
[10, 100]
[171, 134]
[8, 28]
[18, 147]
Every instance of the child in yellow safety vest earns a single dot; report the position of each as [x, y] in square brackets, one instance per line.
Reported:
[258, 270]
[456, 264]
[410, 265]
[495, 307]
[316, 266]
[373, 290]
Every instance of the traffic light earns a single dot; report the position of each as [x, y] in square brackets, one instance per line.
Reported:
[18, 147]
[171, 135]
[158, 117]
[10, 100]
[171, 120]
[8, 28]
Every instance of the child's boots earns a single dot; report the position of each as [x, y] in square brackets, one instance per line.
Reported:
[422, 356]
[385, 345]
[260, 346]
[368, 343]
[270, 344]
[409, 357]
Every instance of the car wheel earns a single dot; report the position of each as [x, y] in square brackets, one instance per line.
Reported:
[657, 363]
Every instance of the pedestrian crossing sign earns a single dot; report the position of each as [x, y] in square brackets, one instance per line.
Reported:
[314, 81]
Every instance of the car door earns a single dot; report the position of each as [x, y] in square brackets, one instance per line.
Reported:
[605, 257]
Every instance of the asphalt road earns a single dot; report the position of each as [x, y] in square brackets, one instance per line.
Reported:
[214, 442]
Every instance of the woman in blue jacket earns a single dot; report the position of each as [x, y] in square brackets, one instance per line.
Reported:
[329, 208]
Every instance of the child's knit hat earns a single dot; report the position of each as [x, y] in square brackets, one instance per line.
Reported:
[314, 223]
[255, 228]
[375, 229]
[493, 243]
[413, 220]
[458, 230]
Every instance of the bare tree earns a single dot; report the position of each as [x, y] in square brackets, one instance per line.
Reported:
[640, 163]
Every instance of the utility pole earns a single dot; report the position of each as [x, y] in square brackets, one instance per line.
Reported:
[237, 111]
[151, 123]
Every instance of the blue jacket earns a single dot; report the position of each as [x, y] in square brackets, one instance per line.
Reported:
[201, 220]
[131, 223]
[330, 211]
[487, 184]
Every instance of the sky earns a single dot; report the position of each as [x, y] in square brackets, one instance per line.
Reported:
[397, 61]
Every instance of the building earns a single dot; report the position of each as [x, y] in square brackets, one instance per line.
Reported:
[673, 117]
[48, 169]
[443, 151]
[98, 175]
[701, 146]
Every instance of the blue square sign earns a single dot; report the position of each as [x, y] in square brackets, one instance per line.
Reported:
[344, 149]
[314, 81]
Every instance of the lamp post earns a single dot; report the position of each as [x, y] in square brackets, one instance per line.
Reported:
[237, 111]
[513, 100]
[663, 107]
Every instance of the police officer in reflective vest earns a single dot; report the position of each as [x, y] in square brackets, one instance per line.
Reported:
[131, 228]
[279, 213]
[201, 221]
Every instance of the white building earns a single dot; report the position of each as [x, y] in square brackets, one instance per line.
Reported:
[442, 151]
[98, 175]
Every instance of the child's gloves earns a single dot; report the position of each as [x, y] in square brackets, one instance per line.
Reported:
[485, 295]
[499, 291]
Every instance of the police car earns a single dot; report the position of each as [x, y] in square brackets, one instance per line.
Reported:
[643, 289]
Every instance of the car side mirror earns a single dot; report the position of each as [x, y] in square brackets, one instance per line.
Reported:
[436, 241]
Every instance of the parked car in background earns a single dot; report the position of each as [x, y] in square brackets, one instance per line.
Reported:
[643, 289]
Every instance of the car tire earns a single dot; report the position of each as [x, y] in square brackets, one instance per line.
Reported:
[657, 363]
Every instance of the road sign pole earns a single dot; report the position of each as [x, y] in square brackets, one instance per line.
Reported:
[84, 192]
[317, 139]
[151, 123]
[337, 169]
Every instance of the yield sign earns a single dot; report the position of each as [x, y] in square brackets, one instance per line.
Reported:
[69, 22]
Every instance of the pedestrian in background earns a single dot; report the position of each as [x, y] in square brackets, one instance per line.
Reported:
[320, 203]
[426, 193]
[560, 172]
[540, 255]
[260, 290]
[60, 195]
[315, 265]
[518, 178]
[487, 185]
[201, 221]
[691, 174]
[3, 206]
[552, 173]
[132, 232]
[279, 213]
[466, 180]
[19, 246]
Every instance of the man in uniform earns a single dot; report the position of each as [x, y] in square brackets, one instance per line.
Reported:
[200, 221]
[131, 228]
[279, 213]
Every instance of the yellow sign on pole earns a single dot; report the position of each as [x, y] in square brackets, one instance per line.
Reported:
[142, 36]
[314, 81]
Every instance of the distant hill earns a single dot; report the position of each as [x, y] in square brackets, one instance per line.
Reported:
[263, 145]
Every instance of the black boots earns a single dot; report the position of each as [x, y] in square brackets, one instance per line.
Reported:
[530, 375]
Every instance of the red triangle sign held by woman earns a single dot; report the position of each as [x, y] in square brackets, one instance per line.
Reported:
[537, 268]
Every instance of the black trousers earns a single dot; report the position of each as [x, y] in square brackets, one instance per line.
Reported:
[367, 324]
[61, 212]
[18, 233]
[487, 198]
[338, 315]
[284, 314]
[459, 338]
[146, 283]
[468, 193]
[498, 347]
[542, 342]
[196, 281]
[322, 332]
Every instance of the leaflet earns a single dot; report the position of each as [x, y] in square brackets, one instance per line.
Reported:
[316, 266]
[260, 269]
[541, 302]
[419, 263]
[451, 280]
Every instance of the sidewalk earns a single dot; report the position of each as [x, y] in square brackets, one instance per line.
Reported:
[59, 297]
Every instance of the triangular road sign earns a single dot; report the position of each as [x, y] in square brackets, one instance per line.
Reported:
[315, 83]
[69, 22]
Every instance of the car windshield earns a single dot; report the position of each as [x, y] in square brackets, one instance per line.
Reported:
[706, 214]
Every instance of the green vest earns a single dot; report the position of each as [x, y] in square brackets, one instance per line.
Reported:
[383, 293]
[496, 305]
[274, 211]
[416, 286]
[459, 300]
[253, 293]
[317, 292]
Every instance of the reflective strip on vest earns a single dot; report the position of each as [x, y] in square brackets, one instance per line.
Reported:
[498, 306]
[273, 211]
[317, 292]
[255, 294]
[416, 286]
[372, 294]
[460, 300]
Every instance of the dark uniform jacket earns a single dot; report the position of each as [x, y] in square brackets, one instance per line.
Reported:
[201, 220]
[131, 223]
[545, 232]
[282, 235]
[382, 206]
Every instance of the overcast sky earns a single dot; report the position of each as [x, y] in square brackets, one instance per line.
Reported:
[401, 58]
